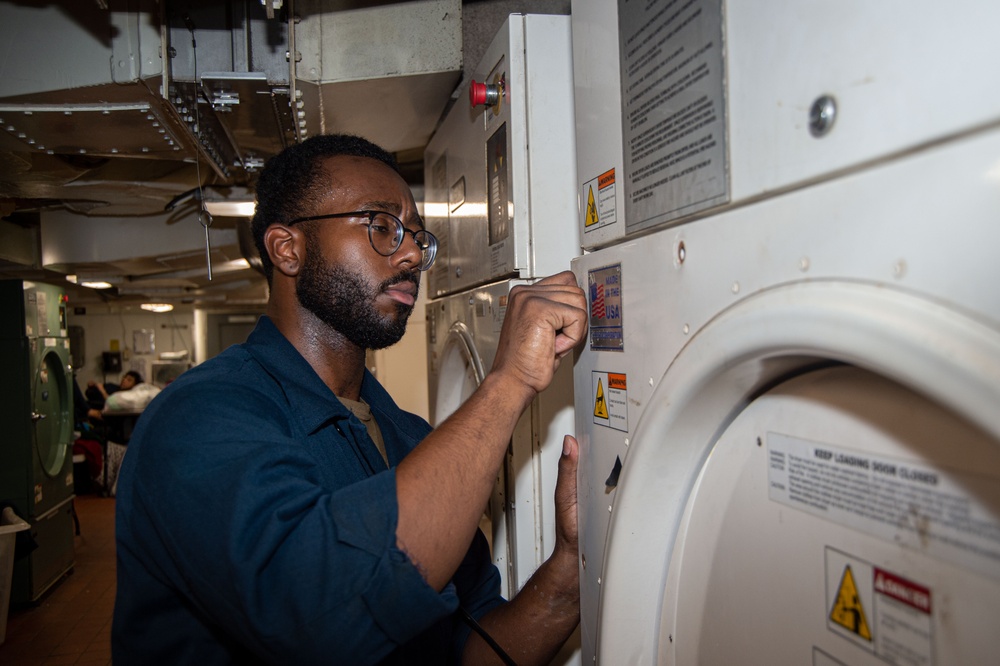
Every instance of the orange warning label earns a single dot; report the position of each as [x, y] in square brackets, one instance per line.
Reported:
[610, 399]
[599, 197]
[605, 179]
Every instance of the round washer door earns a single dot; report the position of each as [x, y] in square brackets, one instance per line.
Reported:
[839, 519]
[51, 413]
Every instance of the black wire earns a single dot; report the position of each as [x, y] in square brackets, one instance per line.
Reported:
[471, 621]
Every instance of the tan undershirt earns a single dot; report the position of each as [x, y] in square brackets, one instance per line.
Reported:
[364, 413]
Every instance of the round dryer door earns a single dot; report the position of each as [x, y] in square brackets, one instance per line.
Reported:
[51, 412]
[460, 374]
[839, 519]
[816, 479]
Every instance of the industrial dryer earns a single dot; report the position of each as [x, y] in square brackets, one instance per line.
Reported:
[463, 330]
[36, 462]
[500, 195]
[787, 408]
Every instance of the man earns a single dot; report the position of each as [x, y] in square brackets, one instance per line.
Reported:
[133, 394]
[257, 519]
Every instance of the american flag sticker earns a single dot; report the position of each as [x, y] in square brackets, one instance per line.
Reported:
[606, 318]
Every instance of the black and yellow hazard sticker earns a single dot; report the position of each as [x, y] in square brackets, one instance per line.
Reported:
[592, 217]
[848, 611]
[600, 403]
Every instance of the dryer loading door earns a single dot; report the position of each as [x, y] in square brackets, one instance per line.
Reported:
[459, 374]
[849, 515]
[841, 518]
[52, 411]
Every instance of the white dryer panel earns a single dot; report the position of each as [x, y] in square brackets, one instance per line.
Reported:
[463, 331]
[901, 75]
[598, 102]
[506, 173]
[889, 269]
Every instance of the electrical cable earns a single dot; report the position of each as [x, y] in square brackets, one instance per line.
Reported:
[471, 621]
[204, 217]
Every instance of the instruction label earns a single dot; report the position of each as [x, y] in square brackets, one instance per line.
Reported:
[879, 610]
[610, 391]
[945, 514]
[599, 195]
[673, 109]
[606, 318]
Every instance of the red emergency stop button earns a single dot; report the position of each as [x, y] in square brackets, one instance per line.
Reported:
[484, 94]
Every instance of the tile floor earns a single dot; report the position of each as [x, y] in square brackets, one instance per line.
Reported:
[71, 624]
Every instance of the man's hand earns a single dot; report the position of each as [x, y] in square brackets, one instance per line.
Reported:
[544, 322]
[538, 620]
[567, 532]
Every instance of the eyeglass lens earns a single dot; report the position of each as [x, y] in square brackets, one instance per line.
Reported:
[386, 233]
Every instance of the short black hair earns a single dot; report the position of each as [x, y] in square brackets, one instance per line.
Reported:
[288, 184]
[134, 375]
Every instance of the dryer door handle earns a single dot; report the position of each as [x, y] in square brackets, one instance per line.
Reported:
[36, 417]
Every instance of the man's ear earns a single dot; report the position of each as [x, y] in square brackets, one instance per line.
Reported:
[286, 247]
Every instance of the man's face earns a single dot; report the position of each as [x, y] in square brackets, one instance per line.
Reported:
[127, 382]
[364, 296]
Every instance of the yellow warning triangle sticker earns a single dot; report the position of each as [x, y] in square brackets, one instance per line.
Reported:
[600, 407]
[847, 610]
[591, 209]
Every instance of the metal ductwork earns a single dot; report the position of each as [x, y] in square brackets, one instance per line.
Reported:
[142, 109]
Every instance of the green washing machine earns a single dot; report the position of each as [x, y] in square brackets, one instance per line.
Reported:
[36, 408]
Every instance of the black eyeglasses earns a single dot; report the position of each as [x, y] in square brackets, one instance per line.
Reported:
[386, 232]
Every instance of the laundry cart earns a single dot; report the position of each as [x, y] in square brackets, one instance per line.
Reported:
[787, 406]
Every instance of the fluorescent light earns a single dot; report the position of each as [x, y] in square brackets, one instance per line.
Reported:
[222, 208]
[157, 307]
[93, 282]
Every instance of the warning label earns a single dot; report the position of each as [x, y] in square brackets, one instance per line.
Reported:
[937, 511]
[879, 610]
[599, 195]
[610, 400]
[847, 609]
[601, 403]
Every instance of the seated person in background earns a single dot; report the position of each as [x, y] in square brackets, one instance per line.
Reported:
[97, 394]
[131, 395]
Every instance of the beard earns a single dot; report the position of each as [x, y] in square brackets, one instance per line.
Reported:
[345, 302]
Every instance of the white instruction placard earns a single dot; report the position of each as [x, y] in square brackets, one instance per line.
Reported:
[673, 109]
[940, 512]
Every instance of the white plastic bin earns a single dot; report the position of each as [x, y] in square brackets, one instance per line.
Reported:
[10, 525]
